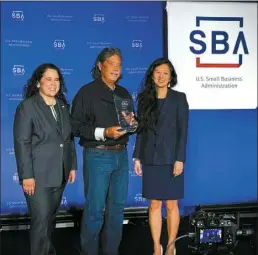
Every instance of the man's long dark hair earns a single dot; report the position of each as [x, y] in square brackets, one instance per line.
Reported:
[147, 112]
[103, 55]
[31, 88]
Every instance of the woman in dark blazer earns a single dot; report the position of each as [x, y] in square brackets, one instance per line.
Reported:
[161, 147]
[45, 152]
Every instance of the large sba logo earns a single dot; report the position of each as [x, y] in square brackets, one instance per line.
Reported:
[218, 38]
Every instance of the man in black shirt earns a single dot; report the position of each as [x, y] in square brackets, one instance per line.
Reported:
[105, 167]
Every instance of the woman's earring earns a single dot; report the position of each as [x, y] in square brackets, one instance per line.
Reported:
[38, 85]
[169, 85]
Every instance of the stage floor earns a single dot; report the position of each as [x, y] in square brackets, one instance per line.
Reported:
[136, 241]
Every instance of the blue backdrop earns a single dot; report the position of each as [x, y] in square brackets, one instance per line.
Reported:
[222, 147]
[70, 35]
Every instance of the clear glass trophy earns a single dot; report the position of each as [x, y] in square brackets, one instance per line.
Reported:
[124, 109]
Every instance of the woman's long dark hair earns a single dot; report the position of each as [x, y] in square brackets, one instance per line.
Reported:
[31, 88]
[147, 112]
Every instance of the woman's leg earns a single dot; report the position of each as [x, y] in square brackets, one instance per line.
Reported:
[173, 220]
[43, 206]
[39, 205]
[155, 221]
[56, 198]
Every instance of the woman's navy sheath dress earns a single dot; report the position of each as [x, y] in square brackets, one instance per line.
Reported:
[159, 182]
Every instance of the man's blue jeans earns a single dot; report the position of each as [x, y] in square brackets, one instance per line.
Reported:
[106, 185]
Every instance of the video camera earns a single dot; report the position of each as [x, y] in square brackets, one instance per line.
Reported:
[215, 232]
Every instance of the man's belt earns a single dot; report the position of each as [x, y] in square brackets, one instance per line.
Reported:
[111, 147]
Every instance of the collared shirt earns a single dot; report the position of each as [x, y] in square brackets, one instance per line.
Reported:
[93, 108]
[55, 112]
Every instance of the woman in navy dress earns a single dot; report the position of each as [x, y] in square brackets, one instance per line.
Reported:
[160, 148]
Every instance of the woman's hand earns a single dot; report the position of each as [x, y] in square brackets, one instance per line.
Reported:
[137, 167]
[28, 186]
[178, 168]
[72, 176]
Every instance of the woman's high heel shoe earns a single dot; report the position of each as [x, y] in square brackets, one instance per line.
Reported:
[174, 251]
[161, 250]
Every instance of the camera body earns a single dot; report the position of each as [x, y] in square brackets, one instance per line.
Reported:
[214, 231]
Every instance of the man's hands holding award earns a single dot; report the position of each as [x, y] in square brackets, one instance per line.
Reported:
[126, 119]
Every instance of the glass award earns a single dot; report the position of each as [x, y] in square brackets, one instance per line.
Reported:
[124, 109]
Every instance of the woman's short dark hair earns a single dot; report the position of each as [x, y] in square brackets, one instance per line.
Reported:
[103, 55]
[31, 88]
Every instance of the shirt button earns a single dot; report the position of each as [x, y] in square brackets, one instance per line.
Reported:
[61, 145]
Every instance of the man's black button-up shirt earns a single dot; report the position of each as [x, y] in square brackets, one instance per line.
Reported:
[93, 107]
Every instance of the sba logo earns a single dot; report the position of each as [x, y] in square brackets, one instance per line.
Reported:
[59, 44]
[218, 38]
[99, 18]
[18, 70]
[18, 15]
[137, 44]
